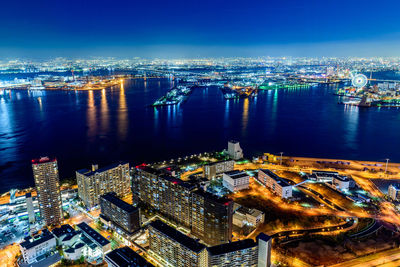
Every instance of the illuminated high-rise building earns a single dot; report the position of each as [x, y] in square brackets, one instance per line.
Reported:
[211, 218]
[171, 197]
[96, 182]
[174, 248]
[207, 216]
[45, 173]
[120, 214]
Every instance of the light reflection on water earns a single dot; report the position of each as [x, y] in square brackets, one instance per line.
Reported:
[118, 124]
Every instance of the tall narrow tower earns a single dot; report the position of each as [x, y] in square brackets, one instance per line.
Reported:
[29, 208]
[45, 173]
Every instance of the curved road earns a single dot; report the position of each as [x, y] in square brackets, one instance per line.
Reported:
[296, 233]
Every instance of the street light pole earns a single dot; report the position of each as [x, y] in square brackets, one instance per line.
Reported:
[281, 157]
[387, 161]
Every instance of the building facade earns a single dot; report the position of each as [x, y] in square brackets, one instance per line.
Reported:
[45, 173]
[173, 248]
[35, 247]
[118, 212]
[239, 253]
[211, 218]
[341, 182]
[30, 208]
[264, 250]
[394, 192]
[96, 245]
[207, 216]
[96, 182]
[235, 180]
[126, 257]
[211, 170]
[235, 152]
[244, 216]
[278, 185]
[323, 176]
[171, 197]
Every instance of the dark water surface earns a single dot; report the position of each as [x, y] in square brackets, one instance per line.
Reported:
[80, 128]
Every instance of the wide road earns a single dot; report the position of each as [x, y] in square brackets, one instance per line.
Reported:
[385, 258]
[297, 233]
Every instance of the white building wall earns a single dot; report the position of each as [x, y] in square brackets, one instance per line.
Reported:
[31, 254]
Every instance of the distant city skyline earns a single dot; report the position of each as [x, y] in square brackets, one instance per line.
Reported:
[179, 29]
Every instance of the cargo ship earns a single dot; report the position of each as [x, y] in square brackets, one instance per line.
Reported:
[229, 93]
[364, 102]
[174, 96]
[282, 85]
[238, 91]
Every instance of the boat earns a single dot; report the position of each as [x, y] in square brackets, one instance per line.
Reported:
[174, 96]
[229, 93]
[283, 85]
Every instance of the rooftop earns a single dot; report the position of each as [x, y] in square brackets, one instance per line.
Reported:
[43, 160]
[111, 197]
[342, 178]
[88, 172]
[263, 237]
[63, 230]
[316, 172]
[233, 246]
[149, 169]
[93, 234]
[281, 181]
[186, 241]
[31, 242]
[253, 212]
[236, 174]
[211, 197]
[219, 162]
[395, 186]
[126, 257]
[178, 182]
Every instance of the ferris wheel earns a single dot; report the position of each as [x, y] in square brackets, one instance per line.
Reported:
[359, 80]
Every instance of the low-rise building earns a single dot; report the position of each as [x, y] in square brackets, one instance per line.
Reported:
[245, 216]
[278, 185]
[35, 248]
[212, 169]
[96, 245]
[235, 180]
[173, 248]
[341, 182]
[120, 214]
[126, 257]
[332, 179]
[75, 252]
[76, 245]
[66, 235]
[322, 176]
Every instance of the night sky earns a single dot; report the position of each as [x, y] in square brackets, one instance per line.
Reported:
[46, 28]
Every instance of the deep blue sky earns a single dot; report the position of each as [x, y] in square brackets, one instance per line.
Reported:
[172, 28]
